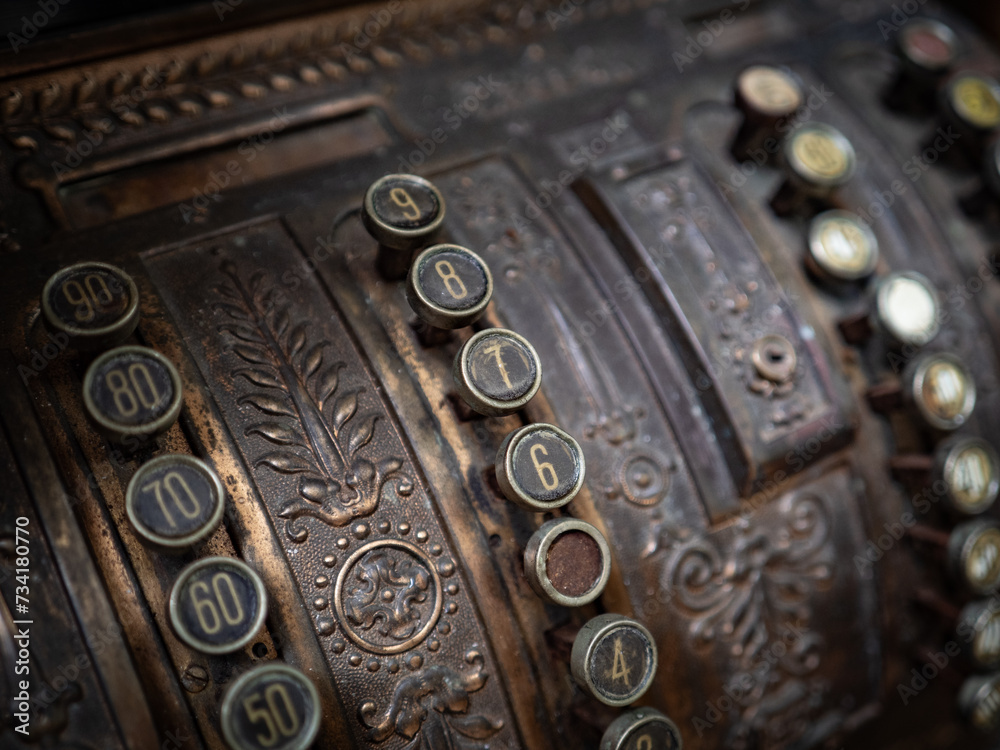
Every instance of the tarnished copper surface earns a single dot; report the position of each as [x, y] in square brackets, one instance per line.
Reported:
[769, 493]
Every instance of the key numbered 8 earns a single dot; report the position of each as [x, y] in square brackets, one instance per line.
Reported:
[449, 286]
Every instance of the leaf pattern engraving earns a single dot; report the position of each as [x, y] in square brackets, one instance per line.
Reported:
[430, 709]
[309, 419]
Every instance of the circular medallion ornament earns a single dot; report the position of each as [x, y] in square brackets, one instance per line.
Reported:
[643, 480]
[388, 596]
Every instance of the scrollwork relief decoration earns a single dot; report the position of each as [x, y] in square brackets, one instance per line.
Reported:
[754, 598]
[308, 417]
[430, 709]
[388, 596]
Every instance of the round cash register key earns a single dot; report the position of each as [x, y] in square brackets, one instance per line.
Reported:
[974, 555]
[768, 90]
[567, 562]
[96, 305]
[906, 308]
[174, 501]
[497, 372]
[402, 212]
[928, 45]
[943, 391]
[979, 701]
[820, 155]
[764, 94]
[132, 391]
[271, 707]
[970, 469]
[841, 247]
[449, 286]
[980, 620]
[539, 467]
[974, 98]
[642, 729]
[217, 605]
[614, 659]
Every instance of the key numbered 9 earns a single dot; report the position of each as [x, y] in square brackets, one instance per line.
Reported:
[401, 209]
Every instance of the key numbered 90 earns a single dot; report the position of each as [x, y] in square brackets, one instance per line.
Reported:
[96, 305]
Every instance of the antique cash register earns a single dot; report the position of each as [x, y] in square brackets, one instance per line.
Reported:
[510, 375]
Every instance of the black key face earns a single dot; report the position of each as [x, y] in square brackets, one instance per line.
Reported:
[653, 735]
[217, 605]
[502, 368]
[405, 203]
[88, 297]
[452, 279]
[132, 389]
[621, 664]
[546, 467]
[174, 500]
[273, 708]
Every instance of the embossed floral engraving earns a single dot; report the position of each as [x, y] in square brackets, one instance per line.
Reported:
[388, 596]
[430, 708]
[310, 420]
[755, 598]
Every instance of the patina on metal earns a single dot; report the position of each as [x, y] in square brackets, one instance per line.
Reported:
[683, 432]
